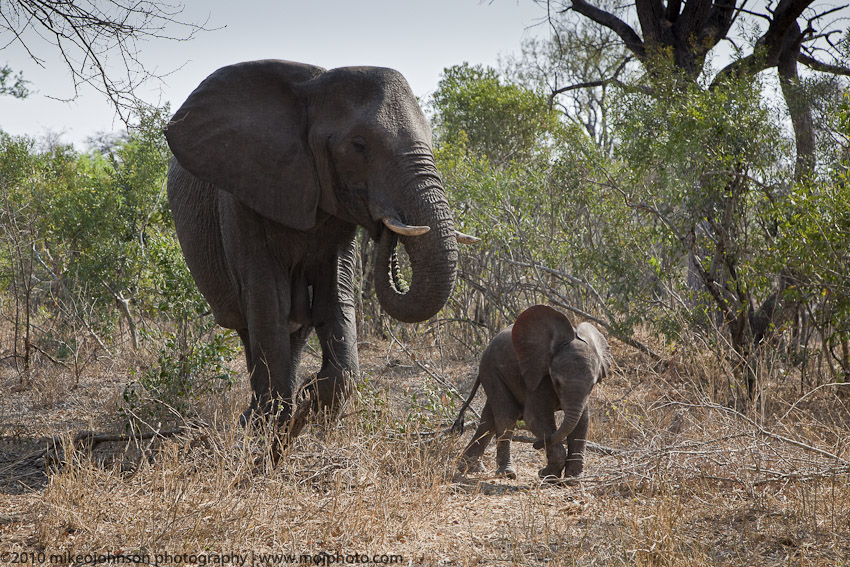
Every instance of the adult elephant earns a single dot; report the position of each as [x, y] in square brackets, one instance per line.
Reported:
[275, 163]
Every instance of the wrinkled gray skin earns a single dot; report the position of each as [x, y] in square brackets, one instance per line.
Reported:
[532, 369]
[275, 164]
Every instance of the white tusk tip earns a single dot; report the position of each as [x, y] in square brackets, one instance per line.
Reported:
[466, 238]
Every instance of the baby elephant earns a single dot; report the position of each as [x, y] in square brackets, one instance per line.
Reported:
[530, 370]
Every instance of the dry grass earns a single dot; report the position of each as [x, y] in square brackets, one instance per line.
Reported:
[696, 483]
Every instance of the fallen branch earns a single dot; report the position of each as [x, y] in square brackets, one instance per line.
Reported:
[809, 393]
[801, 476]
[591, 446]
[50, 358]
[765, 432]
[93, 439]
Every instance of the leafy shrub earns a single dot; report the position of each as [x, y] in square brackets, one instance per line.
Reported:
[182, 374]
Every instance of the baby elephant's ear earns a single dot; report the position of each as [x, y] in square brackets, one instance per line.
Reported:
[591, 334]
[537, 333]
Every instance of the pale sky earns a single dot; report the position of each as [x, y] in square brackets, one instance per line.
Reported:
[418, 38]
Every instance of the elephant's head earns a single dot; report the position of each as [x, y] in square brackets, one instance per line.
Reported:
[298, 143]
[547, 346]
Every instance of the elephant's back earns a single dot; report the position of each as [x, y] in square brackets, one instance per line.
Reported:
[500, 351]
[500, 362]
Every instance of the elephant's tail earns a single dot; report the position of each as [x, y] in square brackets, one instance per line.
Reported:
[457, 427]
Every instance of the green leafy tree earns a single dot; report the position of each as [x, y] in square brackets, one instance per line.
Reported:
[492, 118]
[704, 166]
[580, 65]
[685, 35]
[13, 84]
[812, 244]
[87, 246]
[98, 211]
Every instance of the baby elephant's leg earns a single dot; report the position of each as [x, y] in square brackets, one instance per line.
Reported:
[503, 454]
[542, 424]
[576, 442]
[471, 459]
[506, 411]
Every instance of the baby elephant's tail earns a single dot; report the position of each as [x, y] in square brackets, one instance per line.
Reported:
[457, 427]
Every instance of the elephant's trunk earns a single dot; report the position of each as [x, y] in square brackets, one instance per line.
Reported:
[433, 255]
[572, 415]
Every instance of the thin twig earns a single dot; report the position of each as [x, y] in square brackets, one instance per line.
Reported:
[765, 432]
[807, 394]
[442, 381]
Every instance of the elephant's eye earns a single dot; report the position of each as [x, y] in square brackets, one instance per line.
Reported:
[359, 144]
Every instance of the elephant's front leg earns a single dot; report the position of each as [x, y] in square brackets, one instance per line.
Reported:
[541, 421]
[336, 327]
[268, 352]
[259, 285]
[576, 443]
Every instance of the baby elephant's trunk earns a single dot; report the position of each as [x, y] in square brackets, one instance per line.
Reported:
[571, 419]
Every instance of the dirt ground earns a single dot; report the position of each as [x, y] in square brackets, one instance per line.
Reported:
[693, 481]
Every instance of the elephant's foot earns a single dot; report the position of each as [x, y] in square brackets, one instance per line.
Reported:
[574, 467]
[266, 444]
[506, 471]
[558, 481]
[551, 472]
[249, 418]
[253, 419]
[326, 394]
[275, 428]
[470, 465]
[276, 414]
[299, 420]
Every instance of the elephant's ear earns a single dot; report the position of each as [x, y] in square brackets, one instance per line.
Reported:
[588, 332]
[537, 333]
[244, 129]
[605, 355]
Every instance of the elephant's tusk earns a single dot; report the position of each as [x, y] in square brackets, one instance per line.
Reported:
[399, 227]
[465, 238]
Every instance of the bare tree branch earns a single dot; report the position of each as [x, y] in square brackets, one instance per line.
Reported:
[613, 79]
[91, 35]
[816, 65]
[629, 36]
[770, 45]
[559, 300]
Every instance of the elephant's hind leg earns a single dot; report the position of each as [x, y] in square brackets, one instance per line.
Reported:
[506, 412]
[503, 456]
[336, 327]
[505, 423]
[252, 413]
[471, 459]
